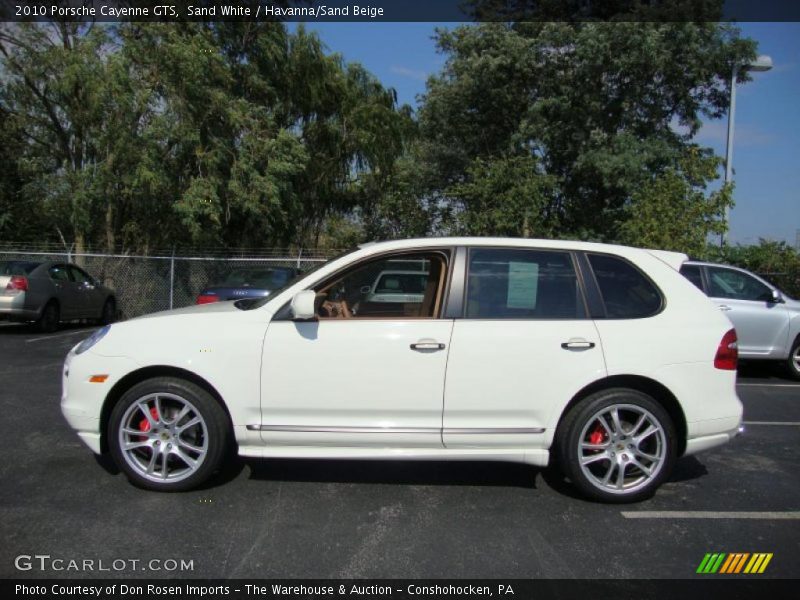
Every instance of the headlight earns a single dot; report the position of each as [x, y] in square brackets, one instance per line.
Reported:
[92, 340]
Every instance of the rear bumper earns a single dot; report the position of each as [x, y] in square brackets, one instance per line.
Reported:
[13, 308]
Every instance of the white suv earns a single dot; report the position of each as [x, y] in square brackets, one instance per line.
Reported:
[603, 359]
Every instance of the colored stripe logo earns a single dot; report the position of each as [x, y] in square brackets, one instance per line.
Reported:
[734, 563]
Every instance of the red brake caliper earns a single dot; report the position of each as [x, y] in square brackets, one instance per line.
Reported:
[144, 424]
[597, 436]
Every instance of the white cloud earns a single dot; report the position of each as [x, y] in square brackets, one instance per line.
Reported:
[410, 73]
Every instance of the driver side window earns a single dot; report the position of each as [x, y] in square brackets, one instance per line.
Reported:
[406, 285]
[727, 283]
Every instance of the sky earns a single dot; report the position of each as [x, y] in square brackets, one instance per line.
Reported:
[766, 157]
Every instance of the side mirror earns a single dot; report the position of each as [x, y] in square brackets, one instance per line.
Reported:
[365, 289]
[776, 297]
[303, 306]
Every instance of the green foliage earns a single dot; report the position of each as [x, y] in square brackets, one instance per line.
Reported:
[672, 210]
[154, 135]
[601, 108]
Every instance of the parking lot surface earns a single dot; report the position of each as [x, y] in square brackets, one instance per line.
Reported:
[337, 519]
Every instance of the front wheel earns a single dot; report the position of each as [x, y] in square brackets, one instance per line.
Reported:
[167, 434]
[617, 446]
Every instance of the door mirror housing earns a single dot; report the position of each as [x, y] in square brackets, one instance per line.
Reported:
[304, 306]
[776, 297]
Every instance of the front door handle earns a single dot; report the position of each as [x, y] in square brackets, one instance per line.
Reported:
[427, 345]
[577, 344]
[724, 307]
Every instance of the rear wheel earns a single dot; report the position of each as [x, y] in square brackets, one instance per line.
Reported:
[793, 362]
[617, 446]
[168, 434]
[49, 319]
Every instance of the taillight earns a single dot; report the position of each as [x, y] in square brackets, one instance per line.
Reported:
[207, 298]
[727, 352]
[18, 283]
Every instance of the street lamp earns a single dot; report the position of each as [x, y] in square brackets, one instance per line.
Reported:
[762, 63]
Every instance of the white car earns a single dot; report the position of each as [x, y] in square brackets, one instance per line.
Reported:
[603, 359]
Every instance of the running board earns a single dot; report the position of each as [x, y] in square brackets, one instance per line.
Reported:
[406, 430]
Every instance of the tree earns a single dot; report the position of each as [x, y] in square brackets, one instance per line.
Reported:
[672, 210]
[596, 110]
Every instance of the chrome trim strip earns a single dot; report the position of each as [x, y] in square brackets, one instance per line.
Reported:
[435, 430]
[493, 430]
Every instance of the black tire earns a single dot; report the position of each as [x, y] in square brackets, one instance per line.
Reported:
[161, 438]
[109, 314]
[793, 362]
[49, 319]
[618, 451]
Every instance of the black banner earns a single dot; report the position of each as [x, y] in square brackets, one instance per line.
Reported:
[397, 10]
[707, 587]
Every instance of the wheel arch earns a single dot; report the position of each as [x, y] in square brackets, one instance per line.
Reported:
[658, 391]
[143, 374]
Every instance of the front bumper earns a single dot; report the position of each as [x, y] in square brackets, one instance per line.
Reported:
[82, 400]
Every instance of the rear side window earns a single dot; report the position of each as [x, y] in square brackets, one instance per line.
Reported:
[693, 274]
[627, 293]
[522, 284]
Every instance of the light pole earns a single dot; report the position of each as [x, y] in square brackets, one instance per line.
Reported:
[762, 63]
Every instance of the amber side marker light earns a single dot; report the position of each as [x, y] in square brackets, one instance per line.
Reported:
[98, 378]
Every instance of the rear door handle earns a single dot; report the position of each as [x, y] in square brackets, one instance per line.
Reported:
[724, 307]
[427, 345]
[577, 345]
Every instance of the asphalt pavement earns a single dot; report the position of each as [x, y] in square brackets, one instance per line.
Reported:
[382, 519]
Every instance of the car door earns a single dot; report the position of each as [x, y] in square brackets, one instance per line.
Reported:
[762, 326]
[89, 298]
[363, 374]
[65, 291]
[524, 347]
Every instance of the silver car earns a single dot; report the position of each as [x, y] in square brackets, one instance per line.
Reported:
[767, 321]
[48, 293]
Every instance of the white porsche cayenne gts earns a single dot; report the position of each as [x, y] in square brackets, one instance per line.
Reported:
[602, 359]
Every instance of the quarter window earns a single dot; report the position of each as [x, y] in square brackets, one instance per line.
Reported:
[727, 283]
[693, 274]
[522, 284]
[627, 294]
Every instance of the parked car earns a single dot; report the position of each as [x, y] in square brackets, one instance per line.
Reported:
[397, 286]
[254, 282]
[601, 359]
[47, 293]
[767, 321]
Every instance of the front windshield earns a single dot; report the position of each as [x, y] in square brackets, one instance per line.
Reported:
[251, 304]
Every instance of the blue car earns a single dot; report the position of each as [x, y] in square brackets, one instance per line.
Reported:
[252, 282]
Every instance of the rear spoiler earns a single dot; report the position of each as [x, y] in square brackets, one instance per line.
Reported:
[673, 259]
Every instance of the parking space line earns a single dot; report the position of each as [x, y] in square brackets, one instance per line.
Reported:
[709, 514]
[86, 332]
[787, 423]
[788, 385]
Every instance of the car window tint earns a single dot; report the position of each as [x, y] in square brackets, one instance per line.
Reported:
[522, 284]
[693, 274]
[269, 278]
[626, 292]
[409, 285]
[59, 273]
[727, 283]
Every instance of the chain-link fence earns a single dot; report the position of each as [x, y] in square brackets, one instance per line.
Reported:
[145, 284]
